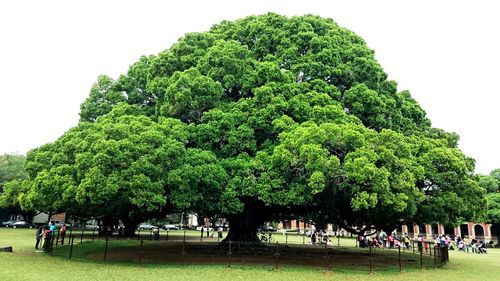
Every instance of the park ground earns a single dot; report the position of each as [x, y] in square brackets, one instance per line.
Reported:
[25, 264]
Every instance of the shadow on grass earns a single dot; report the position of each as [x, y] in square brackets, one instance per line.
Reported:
[128, 252]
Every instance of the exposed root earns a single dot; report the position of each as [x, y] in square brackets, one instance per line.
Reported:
[243, 248]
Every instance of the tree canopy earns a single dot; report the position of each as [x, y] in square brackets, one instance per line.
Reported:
[263, 117]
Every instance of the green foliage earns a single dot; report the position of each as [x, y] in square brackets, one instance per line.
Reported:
[11, 168]
[284, 115]
[493, 200]
[13, 183]
[104, 95]
[495, 173]
[189, 94]
[115, 166]
[492, 184]
[134, 84]
[489, 183]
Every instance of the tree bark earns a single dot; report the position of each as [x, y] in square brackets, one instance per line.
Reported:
[129, 226]
[243, 227]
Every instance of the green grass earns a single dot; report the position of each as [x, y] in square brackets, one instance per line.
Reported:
[25, 264]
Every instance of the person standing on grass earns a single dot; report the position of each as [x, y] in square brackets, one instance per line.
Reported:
[38, 236]
[406, 241]
[47, 240]
[383, 237]
[156, 233]
[62, 232]
[437, 241]
[420, 243]
[466, 244]
[53, 228]
[219, 231]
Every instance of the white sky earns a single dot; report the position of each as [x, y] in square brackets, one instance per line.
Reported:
[447, 53]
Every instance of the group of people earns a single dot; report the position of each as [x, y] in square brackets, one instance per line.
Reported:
[212, 235]
[48, 234]
[404, 241]
[462, 244]
[319, 237]
[389, 241]
[476, 246]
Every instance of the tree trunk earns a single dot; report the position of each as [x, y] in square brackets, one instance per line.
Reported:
[243, 227]
[129, 226]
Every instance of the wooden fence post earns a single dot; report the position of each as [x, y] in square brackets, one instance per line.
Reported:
[371, 266]
[421, 265]
[71, 240]
[140, 251]
[184, 249]
[276, 255]
[106, 249]
[229, 255]
[326, 256]
[435, 257]
[399, 259]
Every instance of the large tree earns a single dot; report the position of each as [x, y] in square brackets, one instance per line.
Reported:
[263, 117]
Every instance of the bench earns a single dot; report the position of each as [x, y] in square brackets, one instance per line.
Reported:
[5, 248]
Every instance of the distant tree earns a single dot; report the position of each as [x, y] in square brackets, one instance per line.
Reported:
[12, 168]
[492, 184]
[493, 213]
[12, 176]
[489, 183]
[496, 174]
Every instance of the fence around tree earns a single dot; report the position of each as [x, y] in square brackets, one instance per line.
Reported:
[189, 247]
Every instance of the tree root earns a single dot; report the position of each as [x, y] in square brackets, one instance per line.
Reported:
[243, 248]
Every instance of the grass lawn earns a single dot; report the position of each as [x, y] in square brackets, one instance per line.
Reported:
[25, 264]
